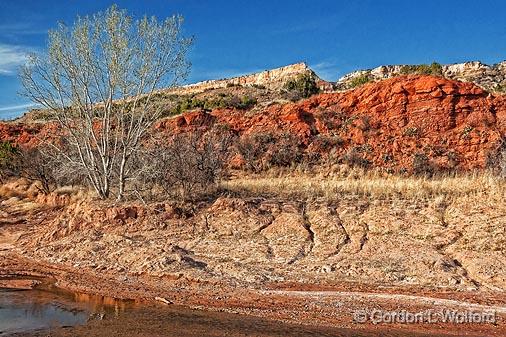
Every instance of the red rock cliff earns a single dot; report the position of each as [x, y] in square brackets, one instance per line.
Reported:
[453, 123]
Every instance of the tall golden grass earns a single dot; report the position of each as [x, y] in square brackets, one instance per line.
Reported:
[371, 184]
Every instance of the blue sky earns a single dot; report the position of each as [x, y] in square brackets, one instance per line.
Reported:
[237, 37]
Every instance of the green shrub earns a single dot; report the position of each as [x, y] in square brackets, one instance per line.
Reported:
[233, 101]
[501, 87]
[434, 69]
[220, 101]
[304, 86]
[183, 104]
[247, 102]
[360, 80]
[9, 155]
[412, 131]
[467, 132]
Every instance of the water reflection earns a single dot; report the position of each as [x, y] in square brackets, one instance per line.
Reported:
[28, 310]
[102, 304]
[25, 310]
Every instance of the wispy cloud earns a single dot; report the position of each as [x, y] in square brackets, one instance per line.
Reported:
[20, 28]
[17, 107]
[14, 111]
[220, 74]
[11, 57]
[328, 70]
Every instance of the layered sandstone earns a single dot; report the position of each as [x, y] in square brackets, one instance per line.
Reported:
[273, 79]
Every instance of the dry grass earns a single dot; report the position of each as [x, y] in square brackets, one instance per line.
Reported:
[371, 184]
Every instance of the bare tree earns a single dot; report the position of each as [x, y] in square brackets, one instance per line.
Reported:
[98, 80]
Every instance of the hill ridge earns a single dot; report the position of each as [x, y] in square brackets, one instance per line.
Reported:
[489, 77]
[270, 78]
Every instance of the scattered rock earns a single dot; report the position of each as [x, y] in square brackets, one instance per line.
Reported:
[163, 300]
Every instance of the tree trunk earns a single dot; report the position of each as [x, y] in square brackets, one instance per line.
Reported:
[121, 178]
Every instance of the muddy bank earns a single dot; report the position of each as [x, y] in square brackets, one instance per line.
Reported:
[455, 244]
[327, 311]
[63, 313]
[181, 322]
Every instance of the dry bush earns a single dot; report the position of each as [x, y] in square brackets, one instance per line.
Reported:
[286, 151]
[189, 165]
[421, 165]
[355, 158]
[497, 160]
[28, 163]
[42, 164]
[252, 149]
[261, 151]
[53, 162]
[502, 164]
[35, 165]
[9, 155]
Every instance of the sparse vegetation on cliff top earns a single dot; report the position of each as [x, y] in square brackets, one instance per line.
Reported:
[434, 69]
[360, 80]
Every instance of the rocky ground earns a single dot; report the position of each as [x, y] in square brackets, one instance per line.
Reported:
[309, 261]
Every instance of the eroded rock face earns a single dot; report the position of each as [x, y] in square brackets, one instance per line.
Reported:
[396, 242]
[28, 134]
[19, 133]
[273, 79]
[289, 237]
[454, 124]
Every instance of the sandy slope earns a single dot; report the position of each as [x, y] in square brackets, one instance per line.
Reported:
[309, 262]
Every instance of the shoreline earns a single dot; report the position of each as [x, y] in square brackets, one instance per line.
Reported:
[328, 307]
